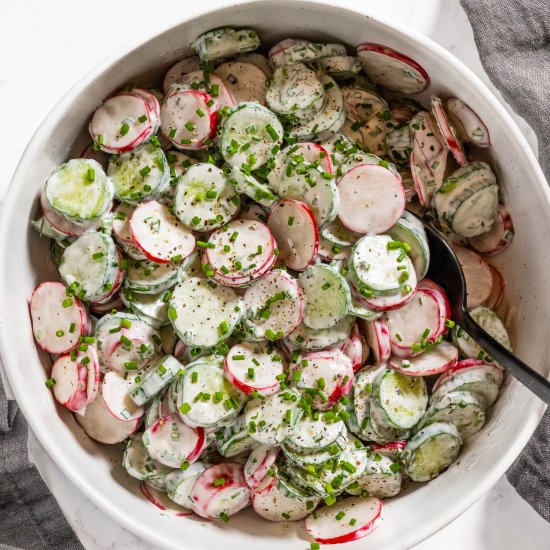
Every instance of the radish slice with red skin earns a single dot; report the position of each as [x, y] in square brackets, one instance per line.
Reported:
[260, 461]
[71, 383]
[495, 370]
[151, 99]
[498, 238]
[56, 327]
[114, 302]
[298, 240]
[114, 391]
[221, 489]
[372, 199]
[448, 132]
[441, 358]
[378, 339]
[334, 366]
[117, 125]
[467, 122]
[180, 108]
[353, 348]
[497, 291]
[159, 234]
[244, 81]
[406, 325]
[223, 99]
[439, 293]
[169, 450]
[92, 386]
[392, 69]
[392, 449]
[478, 276]
[326, 529]
[251, 245]
[422, 179]
[247, 357]
[427, 139]
[388, 303]
[102, 426]
[178, 70]
[162, 501]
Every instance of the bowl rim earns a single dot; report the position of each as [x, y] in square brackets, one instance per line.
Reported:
[9, 354]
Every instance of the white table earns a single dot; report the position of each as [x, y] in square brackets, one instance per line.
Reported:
[46, 47]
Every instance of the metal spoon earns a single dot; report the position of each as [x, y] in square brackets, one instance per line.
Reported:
[445, 270]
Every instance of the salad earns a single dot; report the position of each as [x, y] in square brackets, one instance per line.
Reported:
[243, 305]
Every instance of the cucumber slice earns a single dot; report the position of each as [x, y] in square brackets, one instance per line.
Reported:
[251, 187]
[340, 67]
[411, 231]
[225, 42]
[234, 440]
[250, 136]
[359, 309]
[291, 50]
[376, 267]
[180, 482]
[139, 174]
[337, 234]
[399, 143]
[155, 378]
[307, 339]
[432, 450]
[193, 206]
[464, 409]
[203, 316]
[207, 396]
[278, 506]
[147, 277]
[153, 412]
[305, 459]
[295, 91]
[289, 487]
[139, 464]
[327, 296]
[403, 399]
[90, 266]
[381, 478]
[153, 308]
[312, 435]
[79, 190]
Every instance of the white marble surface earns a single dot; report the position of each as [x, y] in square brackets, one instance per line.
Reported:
[46, 47]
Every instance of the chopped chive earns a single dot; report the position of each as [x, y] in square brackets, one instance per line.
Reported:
[60, 333]
[223, 328]
[184, 408]
[124, 129]
[290, 221]
[219, 481]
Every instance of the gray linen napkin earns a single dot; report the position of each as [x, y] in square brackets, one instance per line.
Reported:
[30, 517]
[513, 39]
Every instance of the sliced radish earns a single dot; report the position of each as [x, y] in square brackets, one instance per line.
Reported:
[353, 348]
[439, 294]
[102, 426]
[392, 449]
[378, 339]
[497, 290]
[478, 276]
[240, 252]
[333, 366]
[328, 526]
[151, 99]
[212, 84]
[469, 365]
[372, 199]
[441, 358]
[122, 123]
[254, 367]
[421, 319]
[171, 442]
[470, 127]
[293, 225]
[114, 391]
[178, 70]
[498, 238]
[427, 139]
[162, 501]
[388, 303]
[260, 461]
[58, 320]
[448, 132]
[181, 122]
[114, 302]
[423, 181]
[220, 491]
[276, 506]
[159, 234]
[245, 81]
[392, 69]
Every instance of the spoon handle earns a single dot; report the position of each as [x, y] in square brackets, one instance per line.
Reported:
[530, 378]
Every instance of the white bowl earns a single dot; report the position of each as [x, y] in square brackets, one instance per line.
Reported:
[96, 469]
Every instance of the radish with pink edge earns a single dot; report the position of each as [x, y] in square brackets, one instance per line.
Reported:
[254, 367]
[392, 449]
[498, 238]
[245, 81]
[258, 464]
[438, 360]
[159, 234]
[392, 69]
[439, 293]
[114, 390]
[181, 122]
[58, 318]
[178, 70]
[216, 88]
[102, 426]
[122, 234]
[378, 339]
[334, 524]
[497, 290]
[395, 301]
[152, 100]
[162, 501]
[171, 442]
[293, 225]
[467, 122]
[478, 276]
[353, 348]
[448, 132]
[122, 123]
[372, 199]
[220, 492]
